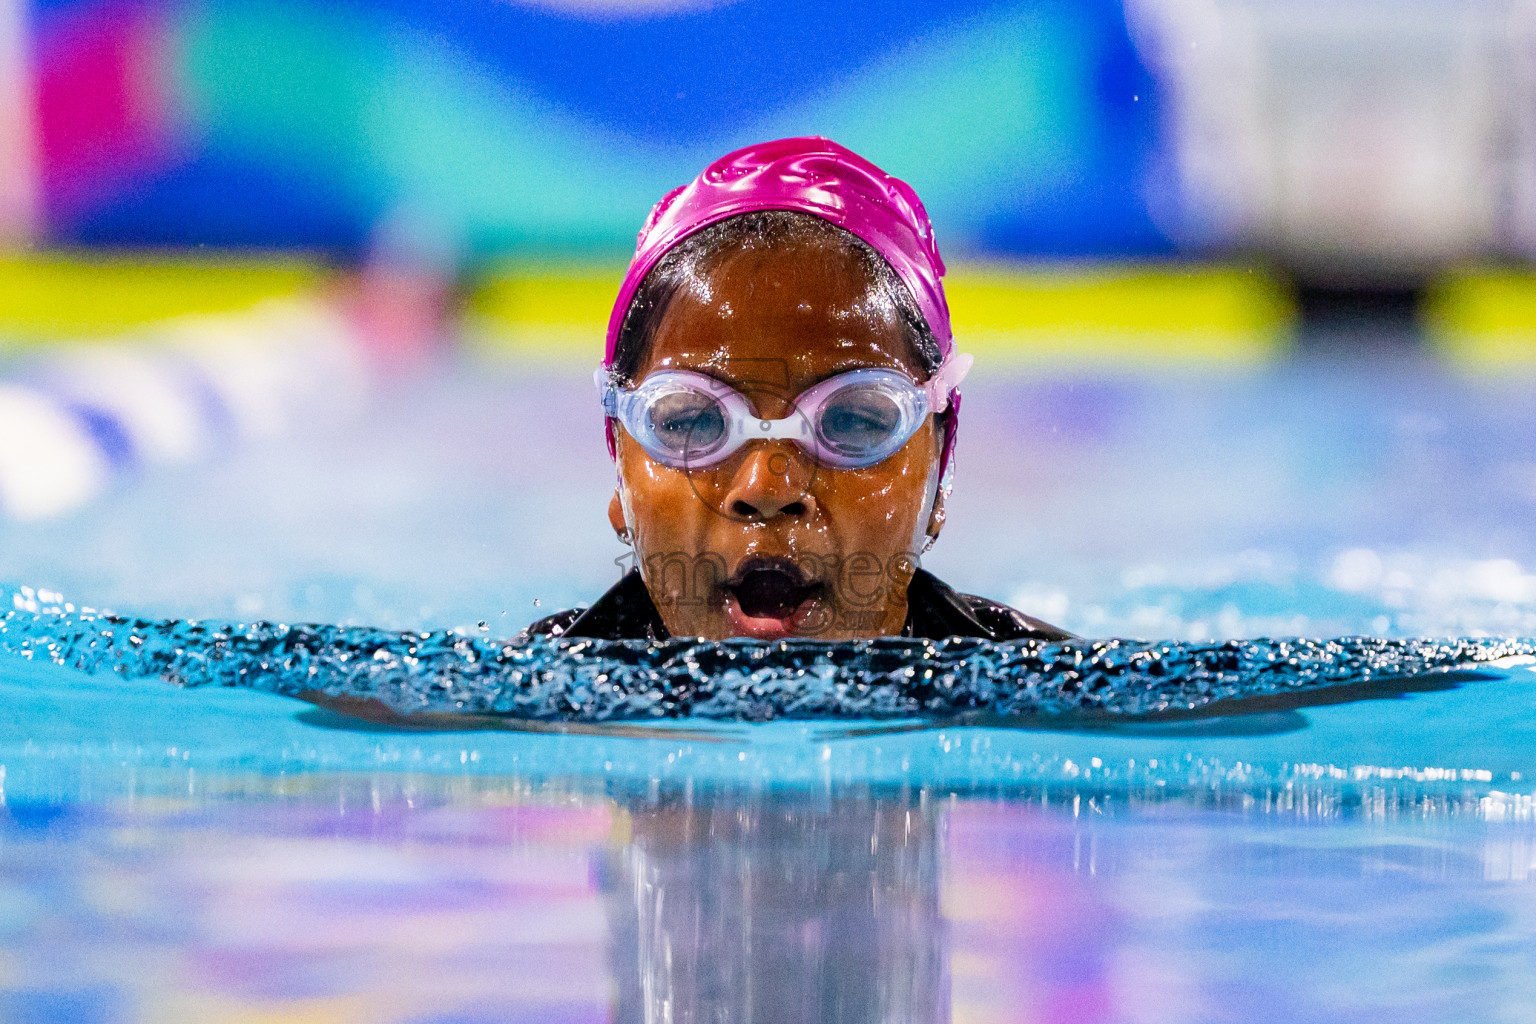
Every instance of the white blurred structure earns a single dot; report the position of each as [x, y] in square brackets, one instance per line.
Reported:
[49, 463]
[1361, 141]
[18, 163]
[72, 419]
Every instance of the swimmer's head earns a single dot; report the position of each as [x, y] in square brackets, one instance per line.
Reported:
[780, 383]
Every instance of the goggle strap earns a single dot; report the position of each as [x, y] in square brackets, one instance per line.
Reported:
[947, 378]
[606, 392]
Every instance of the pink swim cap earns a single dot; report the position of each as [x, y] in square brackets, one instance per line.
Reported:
[816, 176]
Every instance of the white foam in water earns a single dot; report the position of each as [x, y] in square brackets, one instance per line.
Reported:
[1439, 593]
[584, 681]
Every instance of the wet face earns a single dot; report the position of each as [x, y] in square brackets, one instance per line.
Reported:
[769, 543]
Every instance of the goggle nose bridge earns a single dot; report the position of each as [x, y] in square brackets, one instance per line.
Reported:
[794, 427]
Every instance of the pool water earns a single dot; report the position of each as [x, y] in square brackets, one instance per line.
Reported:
[402, 899]
[232, 855]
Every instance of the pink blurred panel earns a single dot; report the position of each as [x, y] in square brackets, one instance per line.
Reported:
[103, 101]
[18, 180]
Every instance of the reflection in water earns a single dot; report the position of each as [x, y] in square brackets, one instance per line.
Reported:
[867, 906]
[393, 899]
[780, 909]
[1029, 939]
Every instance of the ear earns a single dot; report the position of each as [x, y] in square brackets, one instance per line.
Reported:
[616, 514]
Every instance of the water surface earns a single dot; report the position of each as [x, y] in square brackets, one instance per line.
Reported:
[1170, 829]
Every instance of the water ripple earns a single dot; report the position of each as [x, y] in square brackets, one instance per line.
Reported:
[571, 680]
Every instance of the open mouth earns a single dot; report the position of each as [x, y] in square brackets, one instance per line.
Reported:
[766, 596]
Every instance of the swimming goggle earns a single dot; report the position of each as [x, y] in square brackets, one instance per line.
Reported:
[689, 420]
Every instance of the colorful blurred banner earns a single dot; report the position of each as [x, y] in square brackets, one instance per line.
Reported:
[493, 127]
[1351, 142]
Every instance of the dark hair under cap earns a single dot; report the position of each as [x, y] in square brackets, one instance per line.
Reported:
[702, 251]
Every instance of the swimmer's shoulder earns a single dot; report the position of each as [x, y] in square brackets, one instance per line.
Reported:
[935, 611]
[549, 625]
[1005, 622]
[624, 612]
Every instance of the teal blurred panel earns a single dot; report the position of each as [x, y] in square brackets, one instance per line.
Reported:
[989, 114]
[406, 122]
[285, 85]
[503, 166]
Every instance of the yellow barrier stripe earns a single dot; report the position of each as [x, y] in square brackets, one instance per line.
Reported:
[1119, 313]
[67, 296]
[1137, 313]
[1483, 319]
[1110, 313]
[557, 312]
[559, 296]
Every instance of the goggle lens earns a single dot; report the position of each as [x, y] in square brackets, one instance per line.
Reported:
[859, 420]
[686, 422]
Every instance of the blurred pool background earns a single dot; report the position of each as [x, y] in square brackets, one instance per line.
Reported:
[298, 304]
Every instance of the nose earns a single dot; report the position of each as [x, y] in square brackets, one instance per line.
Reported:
[773, 480]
